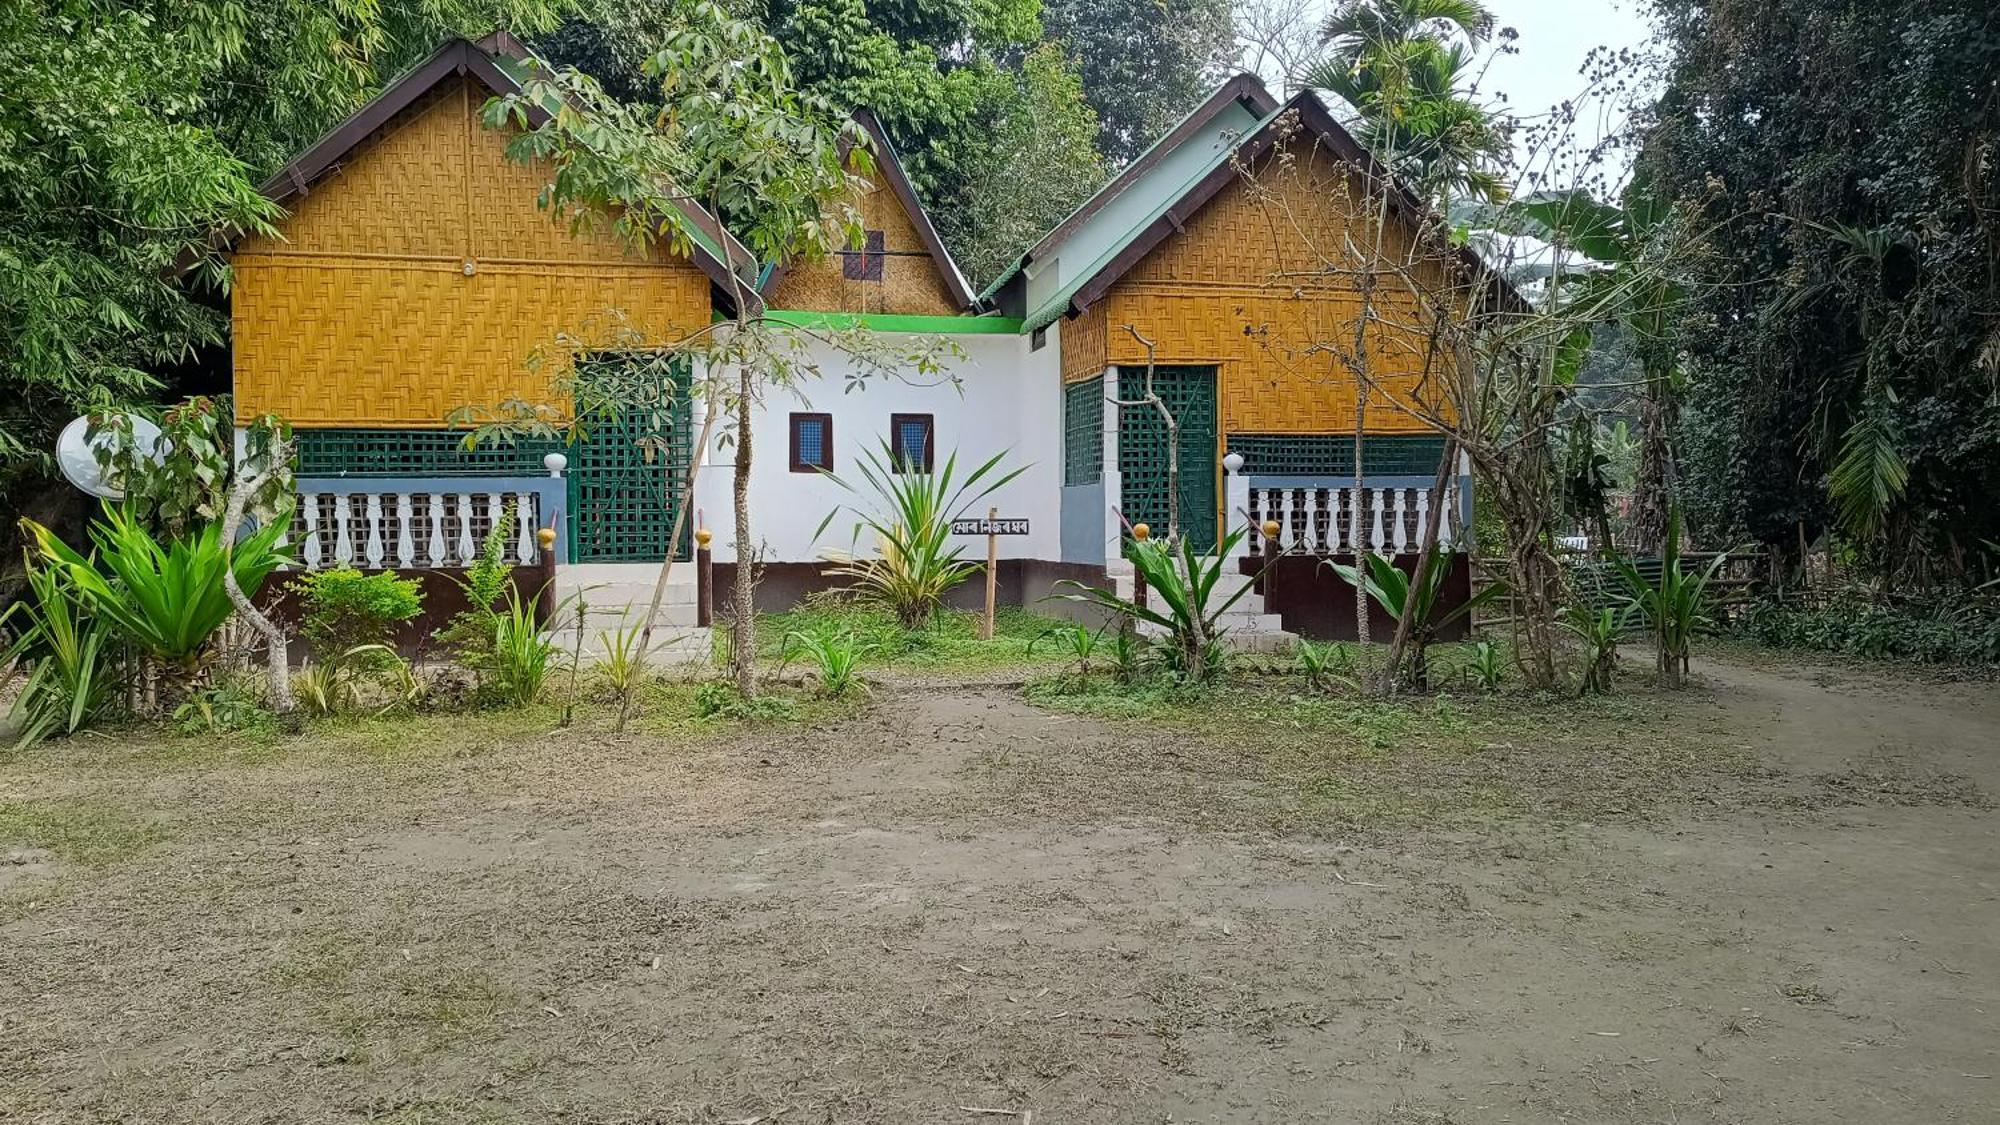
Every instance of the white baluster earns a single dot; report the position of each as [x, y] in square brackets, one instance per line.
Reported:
[343, 542]
[1423, 502]
[1255, 517]
[309, 512]
[1354, 536]
[1448, 516]
[374, 509]
[1287, 504]
[1402, 536]
[464, 529]
[437, 547]
[524, 526]
[1377, 538]
[493, 517]
[406, 546]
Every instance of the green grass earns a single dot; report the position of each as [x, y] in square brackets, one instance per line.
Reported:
[950, 643]
[1333, 759]
[87, 832]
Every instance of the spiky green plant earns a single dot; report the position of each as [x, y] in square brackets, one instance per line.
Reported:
[620, 668]
[167, 599]
[522, 659]
[917, 562]
[1180, 599]
[1077, 642]
[1487, 666]
[71, 653]
[1324, 663]
[1674, 609]
[1600, 630]
[836, 656]
[1398, 595]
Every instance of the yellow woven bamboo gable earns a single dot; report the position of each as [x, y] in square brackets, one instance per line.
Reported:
[1083, 347]
[1245, 287]
[420, 277]
[912, 282]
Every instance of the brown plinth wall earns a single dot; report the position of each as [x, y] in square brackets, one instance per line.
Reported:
[1317, 602]
[443, 600]
[1022, 582]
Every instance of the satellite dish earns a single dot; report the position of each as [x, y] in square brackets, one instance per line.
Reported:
[77, 450]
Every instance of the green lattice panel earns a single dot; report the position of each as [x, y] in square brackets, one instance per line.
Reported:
[1312, 455]
[627, 479]
[1083, 432]
[413, 453]
[1189, 393]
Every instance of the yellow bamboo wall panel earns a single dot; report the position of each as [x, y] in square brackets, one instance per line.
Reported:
[334, 343]
[1247, 286]
[912, 282]
[1083, 345]
[362, 314]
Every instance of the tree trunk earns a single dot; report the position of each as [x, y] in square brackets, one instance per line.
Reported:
[1652, 492]
[278, 669]
[1426, 558]
[743, 630]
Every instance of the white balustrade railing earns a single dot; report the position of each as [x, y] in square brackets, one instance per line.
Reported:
[1324, 519]
[408, 530]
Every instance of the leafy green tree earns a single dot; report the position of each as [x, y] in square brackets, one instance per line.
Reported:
[130, 134]
[1038, 164]
[1846, 374]
[1145, 63]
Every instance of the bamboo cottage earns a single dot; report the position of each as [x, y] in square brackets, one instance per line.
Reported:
[414, 277]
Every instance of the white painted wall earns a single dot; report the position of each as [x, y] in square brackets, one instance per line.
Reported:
[1007, 398]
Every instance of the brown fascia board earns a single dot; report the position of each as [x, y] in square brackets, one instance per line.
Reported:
[1245, 88]
[1315, 117]
[456, 57]
[890, 169]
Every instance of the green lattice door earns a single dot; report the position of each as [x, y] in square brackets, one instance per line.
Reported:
[628, 475]
[1189, 393]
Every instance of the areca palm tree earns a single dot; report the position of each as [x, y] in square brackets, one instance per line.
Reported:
[1403, 65]
[1358, 23]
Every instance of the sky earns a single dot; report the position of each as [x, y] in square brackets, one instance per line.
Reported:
[1556, 37]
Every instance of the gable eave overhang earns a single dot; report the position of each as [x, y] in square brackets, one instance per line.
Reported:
[711, 246]
[889, 171]
[1244, 89]
[1172, 218]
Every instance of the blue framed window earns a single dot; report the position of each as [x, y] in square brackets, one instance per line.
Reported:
[812, 443]
[910, 442]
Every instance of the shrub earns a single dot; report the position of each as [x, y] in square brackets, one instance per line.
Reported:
[519, 662]
[918, 562]
[345, 610]
[1487, 666]
[1676, 607]
[1931, 632]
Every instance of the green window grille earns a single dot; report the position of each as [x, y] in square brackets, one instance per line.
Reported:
[628, 478]
[1314, 455]
[1189, 393]
[1083, 432]
[414, 453]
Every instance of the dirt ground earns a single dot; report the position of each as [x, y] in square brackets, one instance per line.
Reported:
[1774, 899]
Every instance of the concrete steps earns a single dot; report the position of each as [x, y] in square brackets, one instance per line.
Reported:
[1248, 627]
[617, 595]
